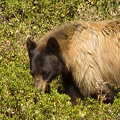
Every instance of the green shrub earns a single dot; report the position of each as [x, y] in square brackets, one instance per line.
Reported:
[18, 97]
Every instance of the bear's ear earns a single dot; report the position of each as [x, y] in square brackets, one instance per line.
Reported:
[30, 45]
[53, 46]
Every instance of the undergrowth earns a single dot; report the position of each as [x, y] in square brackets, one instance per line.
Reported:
[18, 97]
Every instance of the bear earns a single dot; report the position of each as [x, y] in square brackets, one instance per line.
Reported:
[85, 53]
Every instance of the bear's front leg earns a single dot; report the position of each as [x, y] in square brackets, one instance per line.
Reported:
[70, 87]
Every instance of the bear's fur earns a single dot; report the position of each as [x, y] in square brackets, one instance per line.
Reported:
[86, 54]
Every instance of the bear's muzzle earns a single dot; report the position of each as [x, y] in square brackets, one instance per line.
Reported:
[40, 83]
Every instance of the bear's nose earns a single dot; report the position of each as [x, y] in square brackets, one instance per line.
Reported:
[40, 83]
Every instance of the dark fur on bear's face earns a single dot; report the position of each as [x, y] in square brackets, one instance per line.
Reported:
[45, 65]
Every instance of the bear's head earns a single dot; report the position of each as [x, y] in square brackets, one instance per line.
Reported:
[45, 64]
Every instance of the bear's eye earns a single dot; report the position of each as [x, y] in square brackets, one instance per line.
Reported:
[45, 74]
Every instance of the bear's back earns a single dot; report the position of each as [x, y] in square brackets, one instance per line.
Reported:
[64, 34]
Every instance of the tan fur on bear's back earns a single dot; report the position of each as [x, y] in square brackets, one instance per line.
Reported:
[91, 51]
[95, 57]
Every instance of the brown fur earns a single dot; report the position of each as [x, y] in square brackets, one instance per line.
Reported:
[91, 51]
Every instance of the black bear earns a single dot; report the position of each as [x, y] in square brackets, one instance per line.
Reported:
[86, 54]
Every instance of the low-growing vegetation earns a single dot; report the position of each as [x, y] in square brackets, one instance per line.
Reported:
[18, 97]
